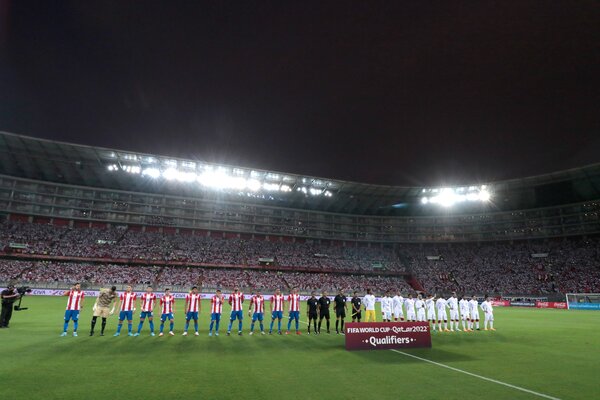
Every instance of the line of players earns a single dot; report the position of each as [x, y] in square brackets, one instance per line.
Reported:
[318, 309]
[434, 309]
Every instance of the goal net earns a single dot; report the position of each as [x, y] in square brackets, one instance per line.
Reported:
[583, 301]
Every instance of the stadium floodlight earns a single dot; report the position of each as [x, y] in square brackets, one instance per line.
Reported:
[151, 172]
[447, 197]
[270, 186]
[132, 169]
[170, 174]
[484, 195]
[170, 163]
[219, 178]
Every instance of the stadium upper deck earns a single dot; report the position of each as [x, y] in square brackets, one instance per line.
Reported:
[74, 182]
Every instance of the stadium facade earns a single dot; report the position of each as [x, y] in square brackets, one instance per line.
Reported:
[82, 186]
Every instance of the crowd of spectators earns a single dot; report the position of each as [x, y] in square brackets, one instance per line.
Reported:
[41, 272]
[517, 268]
[121, 243]
[544, 267]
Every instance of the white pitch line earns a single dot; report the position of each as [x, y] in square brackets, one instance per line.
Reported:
[478, 376]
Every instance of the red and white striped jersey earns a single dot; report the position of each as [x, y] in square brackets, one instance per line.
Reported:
[127, 301]
[192, 302]
[216, 304]
[148, 302]
[258, 304]
[277, 302]
[236, 300]
[74, 301]
[294, 300]
[168, 304]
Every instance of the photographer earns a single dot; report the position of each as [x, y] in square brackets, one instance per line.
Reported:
[9, 296]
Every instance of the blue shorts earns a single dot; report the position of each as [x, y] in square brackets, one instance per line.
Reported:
[237, 314]
[294, 314]
[145, 314]
[191, 315]
[215, 317]
[126, 315]
[277, 314]
[165, 317]
[71, 314]
[257, 316]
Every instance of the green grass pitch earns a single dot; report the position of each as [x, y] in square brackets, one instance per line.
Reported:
[552, 352]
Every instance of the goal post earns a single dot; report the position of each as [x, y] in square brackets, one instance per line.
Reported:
[583, 301]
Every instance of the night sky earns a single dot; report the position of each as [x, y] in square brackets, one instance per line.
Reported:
[399, 92]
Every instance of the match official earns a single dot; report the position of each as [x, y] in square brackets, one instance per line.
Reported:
[312, 311]
[324, 302]
[340, 311]
[356, 304]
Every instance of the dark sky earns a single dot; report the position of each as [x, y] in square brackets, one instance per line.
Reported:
[399, 92]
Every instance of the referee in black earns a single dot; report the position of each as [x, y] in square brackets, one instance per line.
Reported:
[312, 311]
[356, 303]
[340, 310]
[324, 302]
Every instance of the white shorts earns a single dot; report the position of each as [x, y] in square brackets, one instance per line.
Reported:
[431, 315]
[475, 317]
[421, 315]
[398, 312]
[454, 315]
[464, 316]
[386, 315]
[411, 316]
[442, 316]
[489, 316]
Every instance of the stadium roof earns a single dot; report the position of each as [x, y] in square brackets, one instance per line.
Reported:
[59, 162]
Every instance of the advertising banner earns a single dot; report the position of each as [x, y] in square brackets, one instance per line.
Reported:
[501, 303]
[584, 306]
[387, 335]
[522, 303]
[551, 304]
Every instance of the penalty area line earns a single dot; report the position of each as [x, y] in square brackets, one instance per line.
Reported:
[477, 376]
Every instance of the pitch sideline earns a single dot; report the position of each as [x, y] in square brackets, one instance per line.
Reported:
[477, 376]
[545, 396]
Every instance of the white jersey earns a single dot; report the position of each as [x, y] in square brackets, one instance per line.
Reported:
[430, 306]
[441, 309]
[452, 303]
[369, 302]
[386, 304]
[397, 302]
[473, 309]
[419, 305]
[463, 305]
[440, 304]
[487, 307]
[410, 306]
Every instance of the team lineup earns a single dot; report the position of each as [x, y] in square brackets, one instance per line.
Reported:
[432, 309]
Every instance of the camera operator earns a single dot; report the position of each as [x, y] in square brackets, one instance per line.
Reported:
[9, 296]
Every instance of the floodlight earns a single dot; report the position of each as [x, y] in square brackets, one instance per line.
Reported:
[484, 195]
[151, 172]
